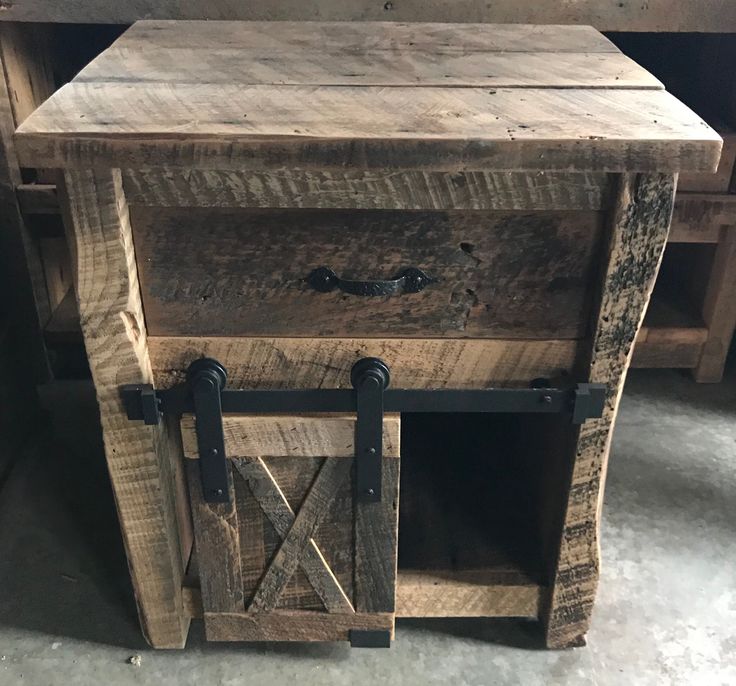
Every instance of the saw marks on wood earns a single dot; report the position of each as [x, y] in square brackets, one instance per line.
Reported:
[443, 97]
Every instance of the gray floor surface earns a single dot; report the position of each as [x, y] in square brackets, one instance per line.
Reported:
[666, 610]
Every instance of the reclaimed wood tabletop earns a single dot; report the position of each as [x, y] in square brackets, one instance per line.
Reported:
[373, 95]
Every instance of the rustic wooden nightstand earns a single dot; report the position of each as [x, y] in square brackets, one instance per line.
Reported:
[270, 220]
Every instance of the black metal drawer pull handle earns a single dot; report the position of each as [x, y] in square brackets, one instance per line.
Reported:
[409, 280]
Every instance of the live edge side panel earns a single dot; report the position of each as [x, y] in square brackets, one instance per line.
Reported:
[638, 232]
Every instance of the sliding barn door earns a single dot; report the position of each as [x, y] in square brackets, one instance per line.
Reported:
[294, 555]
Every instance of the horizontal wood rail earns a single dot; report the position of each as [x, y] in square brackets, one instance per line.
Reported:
[37, 198]
[716, 16]
[697, 219]
[442, 593]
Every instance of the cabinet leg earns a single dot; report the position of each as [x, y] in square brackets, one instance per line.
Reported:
[142, 460]
[637, 237]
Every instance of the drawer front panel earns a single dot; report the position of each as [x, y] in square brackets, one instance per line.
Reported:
[218, 272]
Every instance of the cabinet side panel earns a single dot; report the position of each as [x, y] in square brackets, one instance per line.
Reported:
[638, 232]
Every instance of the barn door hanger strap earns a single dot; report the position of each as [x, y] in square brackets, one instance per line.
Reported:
[205, 394]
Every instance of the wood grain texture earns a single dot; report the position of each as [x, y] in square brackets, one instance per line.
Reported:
[291, 626]
[140, 458]
[498, 275]
[367, 190]
[282, 64]
[218, 546]
[699, 217]
[224, 126]
[365, 54]
[671, 334]
[274, 505]
[376, 551]
[719, 309]
[716, 16]
[326, 363]
[667, 355]
[334, 538]
[434, 594]
[260, 538]
[182, 504]
[720, 181]
[638, 235]
[326, 36]
[292, 435]
[256, 536]
[191, 598]
[20, 262]
[294, 478]
[469, 593]
[327, 96]
[300, 534]
[27, 60]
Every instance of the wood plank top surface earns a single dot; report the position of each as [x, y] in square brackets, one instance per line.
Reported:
[320, 95]
[288, 36]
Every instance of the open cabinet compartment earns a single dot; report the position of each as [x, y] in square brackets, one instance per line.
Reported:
[481, 505]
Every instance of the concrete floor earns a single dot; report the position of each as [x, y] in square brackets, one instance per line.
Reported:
[666, 609]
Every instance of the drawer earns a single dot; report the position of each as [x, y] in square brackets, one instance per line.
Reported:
[241, 272]
[293, 555]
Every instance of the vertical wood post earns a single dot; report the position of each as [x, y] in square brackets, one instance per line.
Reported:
[142, 460]
[24, 83]
[638, 233]
[719, 309]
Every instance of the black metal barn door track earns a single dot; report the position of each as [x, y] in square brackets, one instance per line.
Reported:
[205, 394]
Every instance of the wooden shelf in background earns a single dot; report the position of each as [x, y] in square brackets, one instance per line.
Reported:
[698, 217]
[37, 198]
[64, 327]
[672, 335]
[720, 181]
